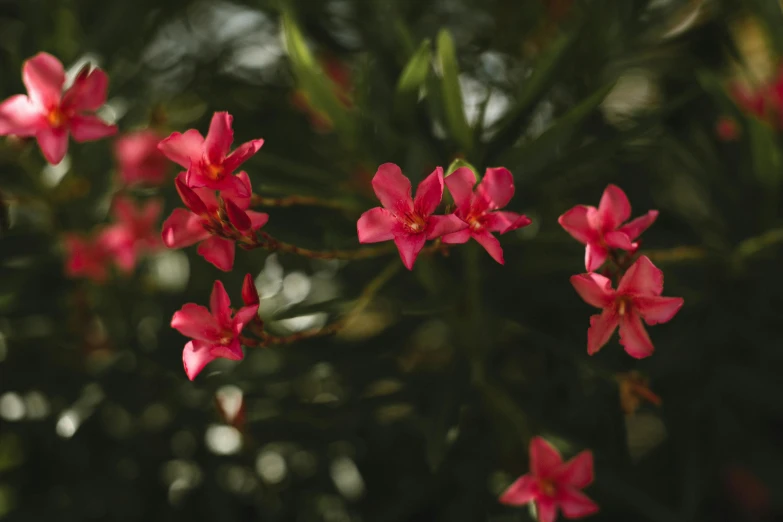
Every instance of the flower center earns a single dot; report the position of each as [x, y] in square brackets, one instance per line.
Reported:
[415, 223]
[214, 172]
[226, 338]
[623, 305]
[56, 118]
[547, 487]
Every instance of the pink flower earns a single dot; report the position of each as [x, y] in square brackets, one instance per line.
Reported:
[85, 257]
[479, 209]
[552, 483]
[215, 332]
[207, 159]
[139, 159]
[602, 228]
[407, 221]
[134, 233]
[199, 222]
[49, 114]
[638, 296]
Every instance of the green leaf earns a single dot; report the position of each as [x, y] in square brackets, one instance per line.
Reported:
[452, 95]
[767, 162]
[313, 81]
[414, 74]
[459, 163]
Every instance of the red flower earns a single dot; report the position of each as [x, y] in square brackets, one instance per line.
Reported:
[638, 296]
[49, 114]
[215, 332]
[407, 221]
[479, 209]
[133, 234]
[197, 223]
[139, 159]
[85, 258]
[208, 160]
[552, 483]
[602, 228]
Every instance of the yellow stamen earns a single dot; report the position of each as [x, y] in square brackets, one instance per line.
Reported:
[547, 487]
[55, 117]
[214, 171]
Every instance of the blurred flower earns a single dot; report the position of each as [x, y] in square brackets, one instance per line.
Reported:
[602, 228]
[50, 114]
[764, 101]
[479, 209]
[208, 160]
[185, 227]
[339, 75]
[139, 159]
[748, 491]
[634, 388]
[215, 332]
[553, 484]
[408, 221]
[85, 257]
[727, 129]
[638, 296]
[134, 233]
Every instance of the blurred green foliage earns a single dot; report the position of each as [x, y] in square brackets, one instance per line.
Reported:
[422, 407]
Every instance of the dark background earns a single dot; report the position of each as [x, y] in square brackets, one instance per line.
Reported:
[422, 409]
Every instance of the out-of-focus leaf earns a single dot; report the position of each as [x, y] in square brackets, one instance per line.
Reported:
[770, 13]
[413, 76]
[767, 161]
[452, 94]
[459, 163]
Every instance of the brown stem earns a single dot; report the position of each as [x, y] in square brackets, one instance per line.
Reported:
[683, 253]
[292, 201]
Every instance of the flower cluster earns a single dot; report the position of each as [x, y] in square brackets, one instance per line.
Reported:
[764, 101]
[638, 295]
[410, 222]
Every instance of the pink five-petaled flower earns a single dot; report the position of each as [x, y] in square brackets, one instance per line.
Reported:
[208, 160]
[602, 228]
[215, 332]
[197, 223]
[134, 232]
[139, 159]
[407, 221]
[553, 483]
[85, 257]
[49, 114]
[638, 296]
[479, 209]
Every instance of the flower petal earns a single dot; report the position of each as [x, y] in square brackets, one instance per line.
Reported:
[232, 351]
[544, 458]
[393, 189]
[243, 317]
[440, 225]
[376, 225]
[257, 219]
[634, 228]
[196, 322]
[249, 291]
[409, 247]
[490, 244]
[643, 278]
[575, 504]
[182, 229]
[614, 209]
[503, 222]
[183, 148]
[88, 92]
[617, 239]
[595, 289]
[546, 509]
[575, 222]
[189, 196]
[241, 155]
[53, 143]
[602, 326]
[657, 310]
[219, 138]
[239, 190]
[456, 238]
[218, 251]
[18, 116]
[595, 256]
[577, 472]
[237, 216]
[44, 76]
[460, 184]
[220, 305]
[496, 188]
[195, 356]
[634, 337]
[523, 490]
[90, 128]
[429, 193]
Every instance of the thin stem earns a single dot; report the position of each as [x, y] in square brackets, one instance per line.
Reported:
[293, 201]
[673, 255]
